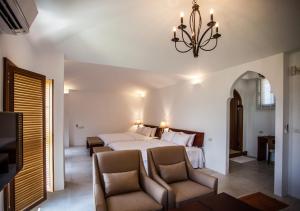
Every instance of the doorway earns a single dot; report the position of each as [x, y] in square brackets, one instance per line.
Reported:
[236, 125]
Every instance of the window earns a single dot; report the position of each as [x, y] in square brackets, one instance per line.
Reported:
[265, 97]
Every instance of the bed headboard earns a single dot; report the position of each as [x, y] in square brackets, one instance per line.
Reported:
[158, 130]
[199, 137]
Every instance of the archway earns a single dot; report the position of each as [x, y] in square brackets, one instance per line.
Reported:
[236, 106]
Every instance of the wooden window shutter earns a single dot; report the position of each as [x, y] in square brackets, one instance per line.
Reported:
[24, 92]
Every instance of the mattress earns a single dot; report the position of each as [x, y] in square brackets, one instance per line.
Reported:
[194, 154]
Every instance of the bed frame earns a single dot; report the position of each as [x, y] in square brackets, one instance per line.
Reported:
[199, 137]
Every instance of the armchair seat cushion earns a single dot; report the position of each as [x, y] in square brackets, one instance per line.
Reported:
[134, 201]
[187, 191]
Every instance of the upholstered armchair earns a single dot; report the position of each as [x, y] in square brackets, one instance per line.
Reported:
[171, 168]
[120, 183]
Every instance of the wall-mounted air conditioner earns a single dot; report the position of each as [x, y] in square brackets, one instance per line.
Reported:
[16, 16]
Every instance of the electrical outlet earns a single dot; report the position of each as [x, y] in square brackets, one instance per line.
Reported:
[210, 139]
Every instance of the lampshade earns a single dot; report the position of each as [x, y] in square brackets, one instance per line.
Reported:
[163, 124]
[138, 122]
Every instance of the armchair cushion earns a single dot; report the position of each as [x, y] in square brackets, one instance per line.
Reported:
[134, 201]
[173, 173]
[123, 182]
[189, 191]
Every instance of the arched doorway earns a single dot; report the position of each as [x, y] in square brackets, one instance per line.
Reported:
[236, 125]
[248, 120]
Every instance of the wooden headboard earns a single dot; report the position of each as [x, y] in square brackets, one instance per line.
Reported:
[199, 137]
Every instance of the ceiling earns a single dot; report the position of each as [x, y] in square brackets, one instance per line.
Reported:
[135, 34]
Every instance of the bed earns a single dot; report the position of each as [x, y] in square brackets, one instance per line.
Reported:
[194, 152]
[127, 136]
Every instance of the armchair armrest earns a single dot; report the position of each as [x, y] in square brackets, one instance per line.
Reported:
[170, 192]
[155, 190]
[204, 179]
[100, 203]
[98, 194]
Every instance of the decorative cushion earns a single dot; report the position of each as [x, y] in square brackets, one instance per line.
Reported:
[123, 182]
[168, 136]
[139, 130]
[173, 173]
[191, 139]
[147, 131]
[153, 132]
[181, 139]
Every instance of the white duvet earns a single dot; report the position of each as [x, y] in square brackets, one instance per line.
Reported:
[121, 137]
[195, 154]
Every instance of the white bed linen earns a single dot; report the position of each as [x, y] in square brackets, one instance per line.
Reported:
[121, 137]
[195, 154]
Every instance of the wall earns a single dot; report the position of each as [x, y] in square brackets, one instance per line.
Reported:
[294, 135]
[102, 113]
[256, 122]
[205, 107]
[47, 62]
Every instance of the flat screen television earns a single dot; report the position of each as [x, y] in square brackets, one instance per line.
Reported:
[11, 146]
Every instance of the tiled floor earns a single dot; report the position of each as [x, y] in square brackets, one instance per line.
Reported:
[244, 179]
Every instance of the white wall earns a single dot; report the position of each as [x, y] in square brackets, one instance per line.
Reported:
[205, 108]
[100, 113]
[256, 122]
[47, 62]
[294, 143]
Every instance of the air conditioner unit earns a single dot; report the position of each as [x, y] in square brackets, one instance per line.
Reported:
[16, 16]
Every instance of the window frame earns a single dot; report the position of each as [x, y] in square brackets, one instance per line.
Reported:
[259, 104]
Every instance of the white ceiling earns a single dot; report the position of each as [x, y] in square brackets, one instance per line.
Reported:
[136, 34]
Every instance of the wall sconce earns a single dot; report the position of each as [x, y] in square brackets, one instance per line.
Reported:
[163, 124]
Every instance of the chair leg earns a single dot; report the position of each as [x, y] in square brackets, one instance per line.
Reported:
[269, 157]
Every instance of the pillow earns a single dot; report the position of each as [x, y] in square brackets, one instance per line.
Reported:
[147, 131]
[191, 139]
[123, 182]
[139, 130]
[181, 139]
[168, 136]
[153, 132]
[173, 173]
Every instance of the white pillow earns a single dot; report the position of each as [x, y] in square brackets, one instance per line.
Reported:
[191, 139]
[147, 131]
[139, 130]
[181, 139]
[168, 136]
[153, 132]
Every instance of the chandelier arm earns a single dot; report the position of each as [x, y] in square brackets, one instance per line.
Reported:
[187, 34]
[199, 26]
[203, 35]
[183, 40]
[211, 48]
[181, 50]
[208, 40]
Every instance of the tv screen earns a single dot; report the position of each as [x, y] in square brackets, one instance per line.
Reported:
[11, 146]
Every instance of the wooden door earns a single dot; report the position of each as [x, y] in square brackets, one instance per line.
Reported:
[24, 91]
[236, 122]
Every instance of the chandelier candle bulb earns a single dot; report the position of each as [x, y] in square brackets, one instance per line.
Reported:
[174, 30]
[217, 27]
[181, 17]
[211, 14]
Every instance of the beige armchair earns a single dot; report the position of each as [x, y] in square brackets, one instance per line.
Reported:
[183, 182]
[120, 183]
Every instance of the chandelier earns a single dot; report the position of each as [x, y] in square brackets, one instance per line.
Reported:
[208, 41]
